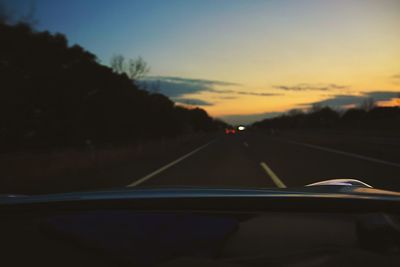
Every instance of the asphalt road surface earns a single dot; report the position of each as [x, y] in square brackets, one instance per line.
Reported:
[259, 160]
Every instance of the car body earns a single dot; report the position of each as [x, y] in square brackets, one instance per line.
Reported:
[192, 226]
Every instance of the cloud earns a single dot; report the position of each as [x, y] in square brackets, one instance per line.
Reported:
[341, 101]
[192, 101]
[191, 81]
[247, 119]
[311, 87]
[383, 95]
[257, 94]
[177, 86]
[219, 91]
[396, 78]
[338, 101]
[226, 97]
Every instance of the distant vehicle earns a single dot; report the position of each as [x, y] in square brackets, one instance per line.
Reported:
[230, 131]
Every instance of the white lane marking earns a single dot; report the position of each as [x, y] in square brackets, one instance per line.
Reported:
[246, 144]
[278, 182]
[154, 173]
[346, 154]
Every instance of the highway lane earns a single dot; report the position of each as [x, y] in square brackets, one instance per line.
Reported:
[298, 165]
[223, 163]
[236, 161]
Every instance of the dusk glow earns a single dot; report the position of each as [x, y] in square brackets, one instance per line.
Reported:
[242, 59]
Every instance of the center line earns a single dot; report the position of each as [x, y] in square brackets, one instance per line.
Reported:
[278, 182]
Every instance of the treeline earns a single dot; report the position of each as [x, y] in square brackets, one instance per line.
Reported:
[56, 95]
[375, 118]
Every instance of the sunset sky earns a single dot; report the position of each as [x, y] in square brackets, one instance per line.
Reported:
[242, 60]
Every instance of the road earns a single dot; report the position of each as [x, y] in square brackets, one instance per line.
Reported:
[253, 159]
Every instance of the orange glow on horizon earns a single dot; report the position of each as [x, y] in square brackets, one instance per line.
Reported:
[395, 102]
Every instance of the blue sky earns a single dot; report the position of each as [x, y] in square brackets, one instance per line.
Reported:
[241, 59]
[123, 26]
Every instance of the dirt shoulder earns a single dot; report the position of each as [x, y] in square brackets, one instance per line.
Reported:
[90, 169]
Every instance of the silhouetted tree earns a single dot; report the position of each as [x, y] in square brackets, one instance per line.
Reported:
[325, 117]
[137, 68]
[133, 68]
[117, 63]
[368, 104]
[54, 95]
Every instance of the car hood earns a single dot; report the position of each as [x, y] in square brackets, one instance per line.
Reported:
[336, 188]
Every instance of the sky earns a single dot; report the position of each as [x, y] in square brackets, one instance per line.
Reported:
[242, 60]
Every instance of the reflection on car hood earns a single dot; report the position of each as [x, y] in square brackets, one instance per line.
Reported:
[343, 188]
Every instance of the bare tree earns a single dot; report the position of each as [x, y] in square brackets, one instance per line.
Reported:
[137, 68]
[134, 68]
[117, 63]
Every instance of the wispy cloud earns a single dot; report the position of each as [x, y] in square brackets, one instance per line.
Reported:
[243, 93]
[191, 81]
[311, 87]
[396, 78]
[192, 101]
[341, 101]
[225, 97]
[257, 94]
[337, 101]
[221, 91]
[383, 95]
[177, 86]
